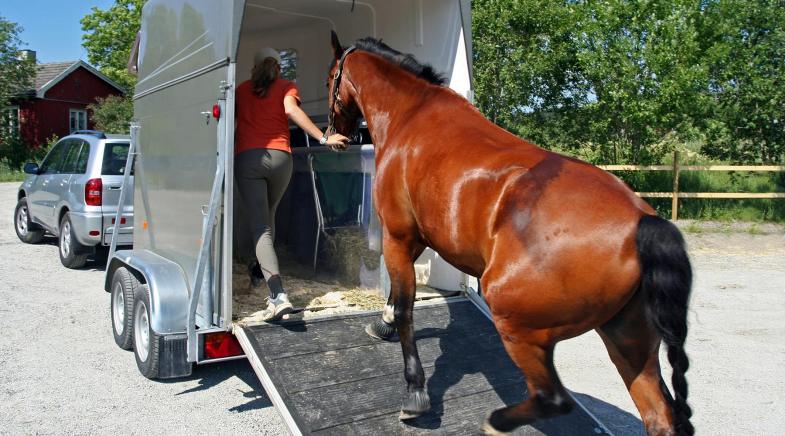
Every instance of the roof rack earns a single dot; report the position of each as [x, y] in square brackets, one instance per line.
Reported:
[95, 133]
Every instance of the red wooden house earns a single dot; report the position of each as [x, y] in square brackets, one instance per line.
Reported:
[58, 104]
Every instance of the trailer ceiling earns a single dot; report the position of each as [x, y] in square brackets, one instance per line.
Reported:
[182, 37]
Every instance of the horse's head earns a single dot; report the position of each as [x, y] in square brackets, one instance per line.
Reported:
[344, 114]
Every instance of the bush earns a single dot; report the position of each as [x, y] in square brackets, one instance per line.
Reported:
[113, 114]
[14, 152]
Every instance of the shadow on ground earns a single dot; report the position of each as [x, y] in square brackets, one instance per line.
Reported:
[208, 376]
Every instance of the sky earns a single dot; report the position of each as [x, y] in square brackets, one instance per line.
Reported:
[51, 27]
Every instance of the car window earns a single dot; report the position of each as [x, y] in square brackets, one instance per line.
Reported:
[53, 161]
[115, 156]
[71, 156]
[81, 161]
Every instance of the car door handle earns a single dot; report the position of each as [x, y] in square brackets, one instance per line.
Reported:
[115, 188]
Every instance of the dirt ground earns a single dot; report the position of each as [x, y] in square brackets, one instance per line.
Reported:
[60, 371]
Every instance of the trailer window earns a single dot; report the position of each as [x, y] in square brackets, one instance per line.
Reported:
[289, 64]
[115, 156]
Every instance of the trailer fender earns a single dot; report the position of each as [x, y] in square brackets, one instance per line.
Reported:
[167, 283]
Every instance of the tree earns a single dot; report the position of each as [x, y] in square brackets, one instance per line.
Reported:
[606, 80]
[112, 114]
[746, 56]
[16, 77]
[16, 74]
[625, 81]
[110, 35]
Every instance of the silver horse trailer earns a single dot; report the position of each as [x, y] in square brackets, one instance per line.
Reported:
[172, 296]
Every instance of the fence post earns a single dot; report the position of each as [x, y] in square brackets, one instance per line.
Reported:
[675, 203]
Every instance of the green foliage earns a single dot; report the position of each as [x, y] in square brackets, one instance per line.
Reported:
[14, 152]
[110, 35]
[113, 114]
[16, 75]
[746, 56]
[623, 81]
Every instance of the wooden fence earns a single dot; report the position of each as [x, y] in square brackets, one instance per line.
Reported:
[676, 168]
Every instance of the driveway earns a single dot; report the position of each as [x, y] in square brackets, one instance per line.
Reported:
[60, 371]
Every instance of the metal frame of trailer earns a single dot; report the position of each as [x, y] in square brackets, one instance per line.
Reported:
[191, 54]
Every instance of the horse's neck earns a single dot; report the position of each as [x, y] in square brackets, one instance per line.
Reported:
[385, 94]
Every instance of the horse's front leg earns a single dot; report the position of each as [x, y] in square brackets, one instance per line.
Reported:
[399, 256]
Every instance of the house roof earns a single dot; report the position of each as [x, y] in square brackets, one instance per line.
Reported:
[50, 74]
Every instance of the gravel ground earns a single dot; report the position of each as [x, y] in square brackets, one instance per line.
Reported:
[60, 371]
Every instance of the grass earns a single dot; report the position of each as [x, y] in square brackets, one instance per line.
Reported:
[755, 210]
[9, 175]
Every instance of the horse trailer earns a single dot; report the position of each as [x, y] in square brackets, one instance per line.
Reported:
[174, 296]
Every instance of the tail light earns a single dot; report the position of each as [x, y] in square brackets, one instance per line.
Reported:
[216, 111]
[122, 220]
[223, 344]
[93, 192]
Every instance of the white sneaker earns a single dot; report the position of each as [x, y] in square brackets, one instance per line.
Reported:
[277, 307]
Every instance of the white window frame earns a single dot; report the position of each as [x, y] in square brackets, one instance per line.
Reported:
[81, 122]
[11, 125]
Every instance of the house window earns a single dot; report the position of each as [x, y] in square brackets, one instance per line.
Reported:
[10, 120]
[78, 119]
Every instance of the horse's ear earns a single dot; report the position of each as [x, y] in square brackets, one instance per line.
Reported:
[337, 49]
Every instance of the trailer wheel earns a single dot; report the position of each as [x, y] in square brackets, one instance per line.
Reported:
[121, 307]
[71, 255]
[146, 341]
[26, 230]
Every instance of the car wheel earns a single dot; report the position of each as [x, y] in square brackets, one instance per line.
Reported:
[71, 251]
[146, 341]
[26, 230]
[121, 307]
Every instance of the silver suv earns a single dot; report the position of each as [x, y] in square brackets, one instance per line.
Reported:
[74, 194]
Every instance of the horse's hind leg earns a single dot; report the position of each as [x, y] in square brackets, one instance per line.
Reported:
[633, 347]
[399, 256]
[547, 396]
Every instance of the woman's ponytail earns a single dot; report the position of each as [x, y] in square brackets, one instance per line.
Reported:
[263, 75]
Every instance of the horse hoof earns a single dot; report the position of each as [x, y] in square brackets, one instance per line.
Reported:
[487, 429]
[381, 330]
[415, 404]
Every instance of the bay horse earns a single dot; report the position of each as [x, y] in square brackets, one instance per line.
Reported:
[560, 246]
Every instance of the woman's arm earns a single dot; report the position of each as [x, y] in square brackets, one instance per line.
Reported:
[295, 113]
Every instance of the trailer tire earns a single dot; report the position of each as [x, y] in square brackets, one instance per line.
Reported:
[71, 251]
[26, 230]
[121, 307]
[146, 341]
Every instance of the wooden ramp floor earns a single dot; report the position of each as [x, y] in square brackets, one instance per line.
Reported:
[333, 379]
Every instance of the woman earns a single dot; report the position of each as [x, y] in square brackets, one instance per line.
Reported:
[263, 160]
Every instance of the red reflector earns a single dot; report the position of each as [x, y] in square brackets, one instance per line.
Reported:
[92, 192]
[216, 111]
[94, 233]
[122, 220]
[218, 345]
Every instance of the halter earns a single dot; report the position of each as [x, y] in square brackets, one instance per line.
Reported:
[336, 87]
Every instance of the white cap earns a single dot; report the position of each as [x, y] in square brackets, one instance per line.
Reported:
[265, 53]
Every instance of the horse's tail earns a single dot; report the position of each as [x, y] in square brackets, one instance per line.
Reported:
[666, 281]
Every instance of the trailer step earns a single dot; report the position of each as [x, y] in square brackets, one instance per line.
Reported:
[326, 376]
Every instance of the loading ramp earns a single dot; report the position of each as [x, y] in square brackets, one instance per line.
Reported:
[326, 376]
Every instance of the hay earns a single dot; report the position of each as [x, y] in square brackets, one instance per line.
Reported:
[346, 253]
[313, 297]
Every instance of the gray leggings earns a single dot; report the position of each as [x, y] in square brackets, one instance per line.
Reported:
[262, 177]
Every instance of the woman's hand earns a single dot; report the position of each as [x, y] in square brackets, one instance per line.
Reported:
[337, 142]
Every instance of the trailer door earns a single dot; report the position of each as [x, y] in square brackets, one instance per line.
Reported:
[184, 71]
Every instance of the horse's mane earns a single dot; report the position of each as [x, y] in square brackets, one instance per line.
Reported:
[405, 61]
